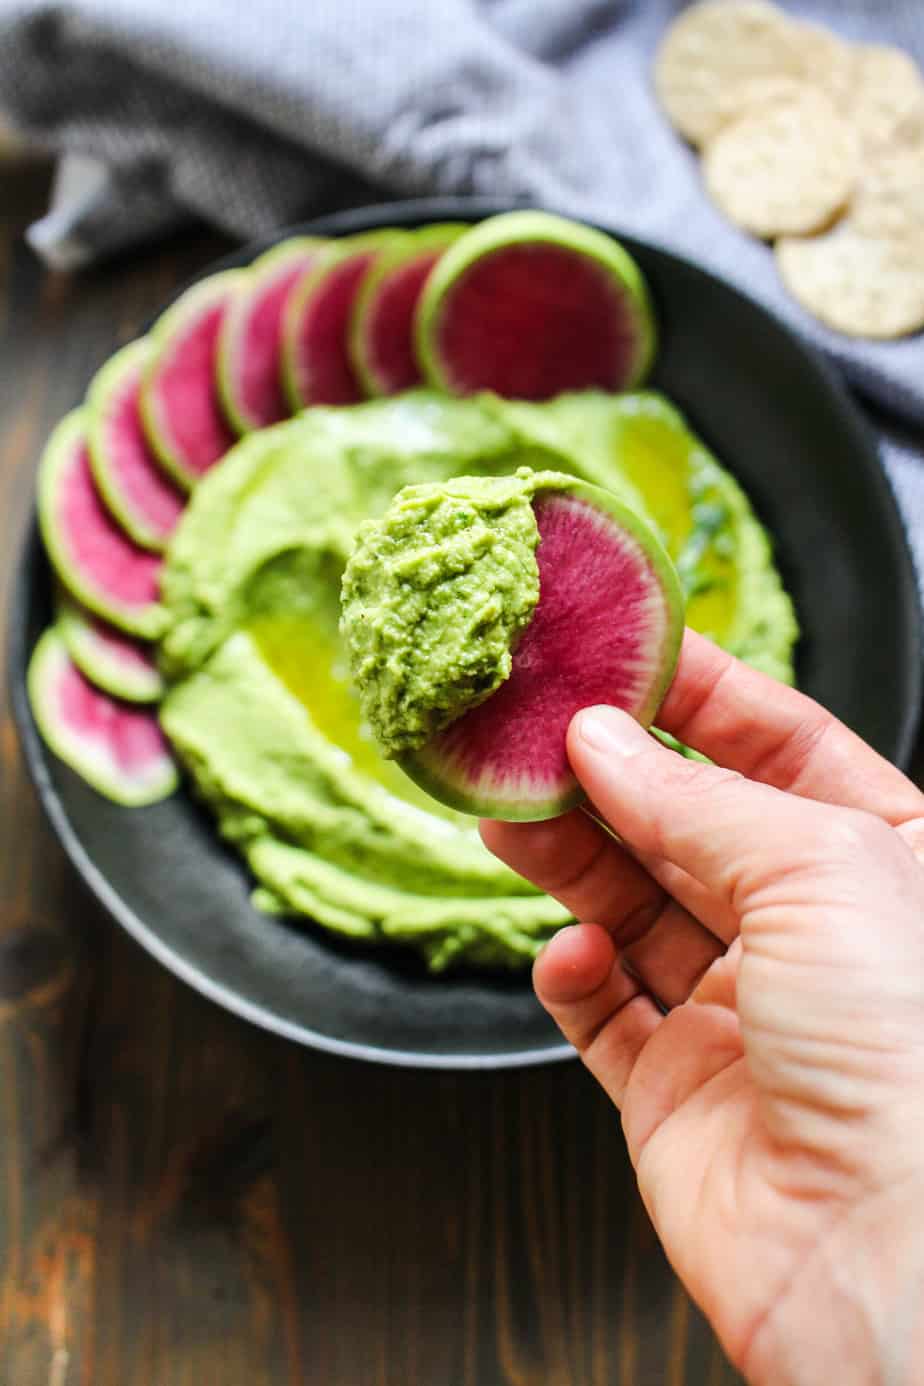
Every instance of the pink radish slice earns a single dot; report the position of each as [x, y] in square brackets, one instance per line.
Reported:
[250, 341]
[94, 558]
[531, 305]
[180, 405]
[113, 661]
[316, 361]
[117, 748]
[131, 481]
[382, 332]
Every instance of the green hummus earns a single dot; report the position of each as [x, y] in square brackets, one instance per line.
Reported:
[435, 596]
[261, 708]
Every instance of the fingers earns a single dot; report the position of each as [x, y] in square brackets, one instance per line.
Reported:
[671, 958]
[599, 1009]
[722, 829]
[913, 833]
[596, 879]
[713, 911]
[580, 864]
[577, 862]
[719, 985]
[692, 1052]
[751, 723]
[610, 1020]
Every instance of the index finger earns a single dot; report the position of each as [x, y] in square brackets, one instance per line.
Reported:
[747, 721]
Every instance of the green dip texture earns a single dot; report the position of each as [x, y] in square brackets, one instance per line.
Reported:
[435, 595]
[260, 705]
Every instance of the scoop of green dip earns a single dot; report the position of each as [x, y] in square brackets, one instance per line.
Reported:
[435, 595]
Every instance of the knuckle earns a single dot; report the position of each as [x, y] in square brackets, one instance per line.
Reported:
[851, 835]
[697, 780]
[913, 833]
[684, 788]
[565, 872]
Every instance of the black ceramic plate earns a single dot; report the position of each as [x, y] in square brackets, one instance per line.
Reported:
[777, 418]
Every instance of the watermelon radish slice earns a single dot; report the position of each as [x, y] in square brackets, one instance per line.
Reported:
[250, 340]
[382, 330]
[118, 749]
[530, 305]
[129, 477]
[180, 407]
[95, 559]
[607, 629]
[111, 660]
[315, 355]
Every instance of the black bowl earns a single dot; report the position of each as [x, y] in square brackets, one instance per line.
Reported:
[781, 422]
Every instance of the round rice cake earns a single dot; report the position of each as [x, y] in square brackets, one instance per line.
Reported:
[827, 61]
[886, 89]
[758, 92]
[860, 285]
[909, 132]
[754, 94]
[784, 168]
[711, 51]
[889, 200]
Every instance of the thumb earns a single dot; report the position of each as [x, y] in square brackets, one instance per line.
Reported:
[728, 832]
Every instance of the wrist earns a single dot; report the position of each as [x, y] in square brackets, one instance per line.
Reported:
[854, 1313]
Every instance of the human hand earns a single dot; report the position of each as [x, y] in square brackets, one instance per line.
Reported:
[772, 905]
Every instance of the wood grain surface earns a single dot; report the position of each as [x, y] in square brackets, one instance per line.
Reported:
[186, 1201]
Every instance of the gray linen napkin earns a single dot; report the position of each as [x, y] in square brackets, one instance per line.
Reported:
[257, 114]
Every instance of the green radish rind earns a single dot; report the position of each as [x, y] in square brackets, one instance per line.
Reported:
[338, 251]
[511, 229]
[190, 304]
[264, 268]
[102, 386]
[47, 661]
[425, 768]
[147, 622]
[96, 664]
[438, 236]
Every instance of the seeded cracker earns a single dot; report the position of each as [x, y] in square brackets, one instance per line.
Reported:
[827, 62]
[860, 285]
[889, 202]
[887, 87]
[758, 92]
[909, 133]
[711, 51]
[787, 167]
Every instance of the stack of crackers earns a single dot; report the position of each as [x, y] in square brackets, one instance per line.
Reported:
[813, 143]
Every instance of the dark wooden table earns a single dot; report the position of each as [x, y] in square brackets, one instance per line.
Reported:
[186, 1201]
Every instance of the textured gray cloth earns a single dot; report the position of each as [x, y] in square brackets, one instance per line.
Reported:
[257, 114]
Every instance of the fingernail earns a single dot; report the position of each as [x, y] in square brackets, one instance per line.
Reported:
[610, 732]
